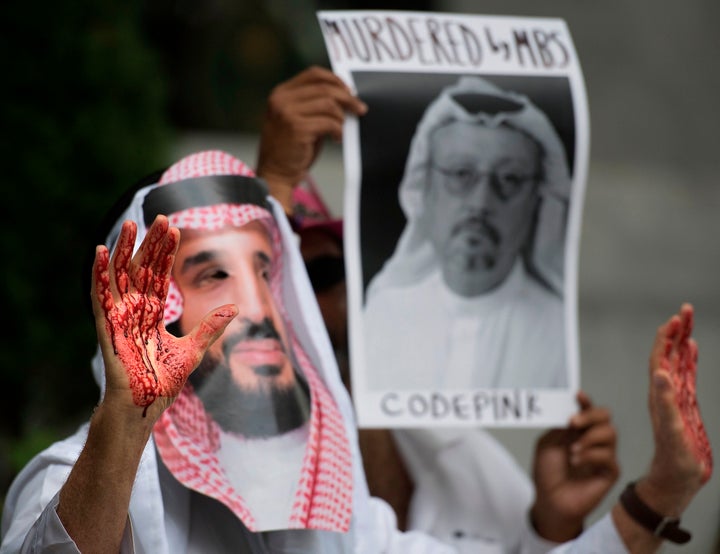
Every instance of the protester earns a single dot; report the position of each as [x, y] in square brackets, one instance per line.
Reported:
[147, 473]
[437, 481]
[168, 443]
[456, 474]
[153, 469]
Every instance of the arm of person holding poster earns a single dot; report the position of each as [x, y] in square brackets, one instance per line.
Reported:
[301, 112]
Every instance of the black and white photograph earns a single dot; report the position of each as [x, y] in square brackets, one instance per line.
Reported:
[468, 186]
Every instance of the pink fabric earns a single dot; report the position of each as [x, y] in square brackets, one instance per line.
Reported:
[202, 164]
[186, 436]
[188, 440]
[311, 212]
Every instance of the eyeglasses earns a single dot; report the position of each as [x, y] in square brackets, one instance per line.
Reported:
[505, 183]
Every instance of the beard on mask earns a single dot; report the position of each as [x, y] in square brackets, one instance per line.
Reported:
[250, 412]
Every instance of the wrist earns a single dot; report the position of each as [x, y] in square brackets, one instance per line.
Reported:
[662, 496]
[554, 527]
[653, 511]
[280, 183]
[118, 414]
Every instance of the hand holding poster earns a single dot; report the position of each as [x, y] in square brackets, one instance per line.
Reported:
[464, 186]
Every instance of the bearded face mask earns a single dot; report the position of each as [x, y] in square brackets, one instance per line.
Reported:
[256, 426]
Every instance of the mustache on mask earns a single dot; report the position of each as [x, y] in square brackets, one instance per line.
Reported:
[252, 330]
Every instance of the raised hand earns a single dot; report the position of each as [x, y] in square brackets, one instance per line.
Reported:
[682, 462]
[142, 360]
[300, 113]
[574, 468]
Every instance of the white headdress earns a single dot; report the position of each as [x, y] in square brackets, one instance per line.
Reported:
[414, 256]
[212, 189]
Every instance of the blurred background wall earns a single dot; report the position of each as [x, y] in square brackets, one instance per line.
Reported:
[102, 92]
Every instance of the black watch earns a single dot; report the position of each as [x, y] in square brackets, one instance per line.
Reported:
[660, 526]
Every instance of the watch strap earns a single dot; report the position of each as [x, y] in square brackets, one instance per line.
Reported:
[660, 526]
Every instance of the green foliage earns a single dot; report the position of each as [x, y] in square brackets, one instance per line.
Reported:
[83, 117]
[89, 90]
[33, 441]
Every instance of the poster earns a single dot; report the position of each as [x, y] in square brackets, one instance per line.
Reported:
[464, 184]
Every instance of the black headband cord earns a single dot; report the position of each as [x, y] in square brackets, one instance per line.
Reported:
[204, 191]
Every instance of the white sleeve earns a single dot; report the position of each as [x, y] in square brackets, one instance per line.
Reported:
[30, 523]
[377, 533]
[49, 535]
[600, 538]
[46, 534]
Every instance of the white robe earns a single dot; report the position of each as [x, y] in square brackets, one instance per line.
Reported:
[469, 491]
[165, 518]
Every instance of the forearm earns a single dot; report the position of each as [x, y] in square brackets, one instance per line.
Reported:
[682, 462]
[94, 500]
[280, 186]
[636, 538]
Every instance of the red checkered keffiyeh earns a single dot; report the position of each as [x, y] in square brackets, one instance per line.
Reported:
[186, 436]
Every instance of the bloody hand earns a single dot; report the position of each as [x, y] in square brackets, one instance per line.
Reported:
[682, 462]
[675, 354]
[128, 302]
